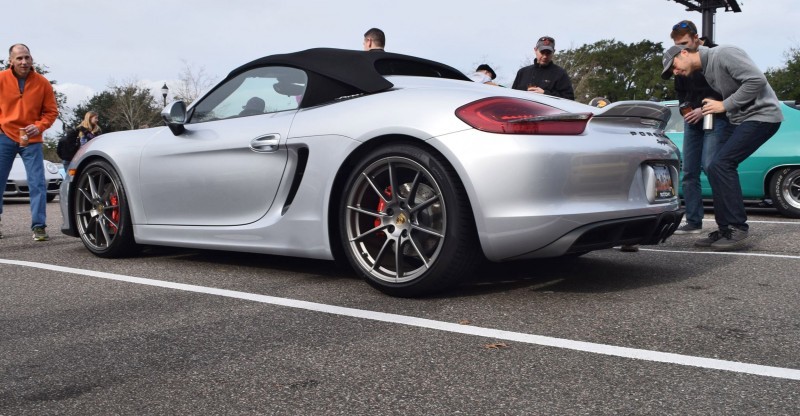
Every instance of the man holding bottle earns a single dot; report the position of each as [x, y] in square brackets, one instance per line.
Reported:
[754, 114]
[27, 108]
[699, 144]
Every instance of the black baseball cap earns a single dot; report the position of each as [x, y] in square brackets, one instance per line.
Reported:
[669, 56]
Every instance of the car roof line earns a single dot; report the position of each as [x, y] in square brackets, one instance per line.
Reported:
[361, 70]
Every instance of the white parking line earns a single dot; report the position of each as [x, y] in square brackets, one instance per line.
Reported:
[639, 354]
[788, 221]
[772, 222]
[725, 253]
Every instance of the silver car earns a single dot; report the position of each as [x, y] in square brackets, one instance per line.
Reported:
[397, 165]
[17, 183]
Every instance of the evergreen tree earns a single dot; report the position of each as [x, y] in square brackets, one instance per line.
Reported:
[786, 81]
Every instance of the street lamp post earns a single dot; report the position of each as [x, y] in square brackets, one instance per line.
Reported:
[164, 92]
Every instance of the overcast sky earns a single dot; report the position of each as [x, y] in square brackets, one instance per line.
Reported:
[87, 44]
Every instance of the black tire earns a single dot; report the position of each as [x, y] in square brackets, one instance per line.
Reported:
[418, 241]
[50, 198]
[101, 212]
[784, 189]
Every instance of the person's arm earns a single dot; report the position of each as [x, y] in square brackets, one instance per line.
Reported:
[752, 81]
[682, 86]
[49, 109]
[519, 81]
[563, 87]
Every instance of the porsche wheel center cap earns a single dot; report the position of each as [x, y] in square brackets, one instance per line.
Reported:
[401, 219]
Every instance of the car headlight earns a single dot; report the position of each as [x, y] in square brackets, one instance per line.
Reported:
[51, 167]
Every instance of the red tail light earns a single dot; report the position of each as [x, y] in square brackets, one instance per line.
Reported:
[516, 116]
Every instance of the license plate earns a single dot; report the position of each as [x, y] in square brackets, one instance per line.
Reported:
[663, 183]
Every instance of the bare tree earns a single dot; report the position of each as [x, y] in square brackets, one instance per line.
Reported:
[193, 82]
[132, 106]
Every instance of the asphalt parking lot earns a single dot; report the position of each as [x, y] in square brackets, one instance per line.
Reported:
[668, 330]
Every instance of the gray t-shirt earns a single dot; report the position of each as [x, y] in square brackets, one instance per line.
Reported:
[747, 96]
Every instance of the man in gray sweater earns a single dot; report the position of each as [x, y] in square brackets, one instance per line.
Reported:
[754, 113]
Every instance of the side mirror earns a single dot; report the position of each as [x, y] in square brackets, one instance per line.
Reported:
[174, 115]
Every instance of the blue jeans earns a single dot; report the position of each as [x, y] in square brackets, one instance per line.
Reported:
[740, 141]
[699, 148]
[33, 159]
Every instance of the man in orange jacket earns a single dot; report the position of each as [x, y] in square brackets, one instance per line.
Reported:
[27, 108]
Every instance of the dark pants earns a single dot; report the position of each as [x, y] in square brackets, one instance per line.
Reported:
[699, 149]
[738, 142]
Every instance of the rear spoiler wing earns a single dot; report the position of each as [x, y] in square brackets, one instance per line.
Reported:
[643, 110]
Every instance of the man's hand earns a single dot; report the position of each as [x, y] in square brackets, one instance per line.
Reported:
[694, 116]
[536, 90]
[32, 130]
[712, 106]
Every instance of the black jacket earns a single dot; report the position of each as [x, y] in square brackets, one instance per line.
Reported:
[694, 88]
[552, 78]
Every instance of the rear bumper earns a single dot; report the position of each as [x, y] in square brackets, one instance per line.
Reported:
[645, 230]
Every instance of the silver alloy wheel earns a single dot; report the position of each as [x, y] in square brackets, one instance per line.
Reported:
[396, 220]
[97, 208]
[790, 189]
[784, 190]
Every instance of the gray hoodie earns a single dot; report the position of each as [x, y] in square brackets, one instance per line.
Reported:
[747, 96]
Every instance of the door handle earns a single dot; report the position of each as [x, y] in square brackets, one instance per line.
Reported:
[267, 143]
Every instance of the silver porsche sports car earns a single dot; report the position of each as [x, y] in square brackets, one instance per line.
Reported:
[400, 166]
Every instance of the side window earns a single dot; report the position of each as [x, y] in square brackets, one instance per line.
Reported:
[257, 91]
[675, 124]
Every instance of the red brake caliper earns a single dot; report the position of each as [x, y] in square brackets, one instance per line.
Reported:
[382, 205]
[115, 212]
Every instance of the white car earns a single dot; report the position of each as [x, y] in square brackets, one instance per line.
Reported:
[17, 184]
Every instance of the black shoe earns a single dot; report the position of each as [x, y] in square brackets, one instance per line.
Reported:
[732, 239]
[708, 241]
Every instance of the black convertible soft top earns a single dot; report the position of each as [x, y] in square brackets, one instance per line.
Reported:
[334, 73]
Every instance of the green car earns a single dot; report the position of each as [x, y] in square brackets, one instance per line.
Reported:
[772, 173]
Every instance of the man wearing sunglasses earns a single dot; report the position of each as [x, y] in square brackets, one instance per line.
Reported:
[699, 145]
[544, 77]
[754, 114]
